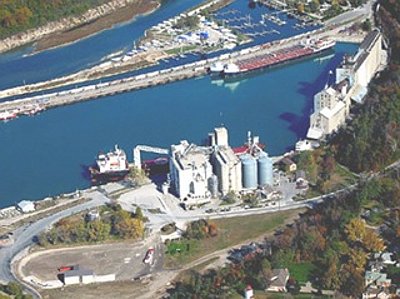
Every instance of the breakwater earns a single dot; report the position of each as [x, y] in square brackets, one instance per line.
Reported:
[164, 76]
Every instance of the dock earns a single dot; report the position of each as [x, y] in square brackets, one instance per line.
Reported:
[187, 71]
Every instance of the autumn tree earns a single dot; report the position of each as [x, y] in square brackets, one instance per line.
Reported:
[355, 229]
[357, 258]
[372, 242]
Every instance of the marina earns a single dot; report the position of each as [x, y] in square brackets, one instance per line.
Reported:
[154, 51]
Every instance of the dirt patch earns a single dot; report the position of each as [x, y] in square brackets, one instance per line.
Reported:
[97, 291]
[121, 15]
[122, 259]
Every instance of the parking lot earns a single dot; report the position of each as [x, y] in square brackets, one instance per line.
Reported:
[125, 260]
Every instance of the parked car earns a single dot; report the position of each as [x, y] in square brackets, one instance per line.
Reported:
[148, 259]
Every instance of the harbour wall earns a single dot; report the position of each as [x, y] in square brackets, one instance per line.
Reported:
[150, 79]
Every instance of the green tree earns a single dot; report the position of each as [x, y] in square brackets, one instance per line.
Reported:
[139, 213]
[366, 25]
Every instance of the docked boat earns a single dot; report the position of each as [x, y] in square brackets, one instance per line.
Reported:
[216, 68]
[308, 48]
[231, 69]
[7, 115]
[111, 166]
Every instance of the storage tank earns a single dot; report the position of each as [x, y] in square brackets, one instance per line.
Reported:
[249, 172]
[265, 170]
[213, 185]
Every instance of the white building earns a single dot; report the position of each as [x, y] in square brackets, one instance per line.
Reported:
[225, 163]
[332, 104]
[190, 172]
[362, 67]
[228, 169]
[26, 206]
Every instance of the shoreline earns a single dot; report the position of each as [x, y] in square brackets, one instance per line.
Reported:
[122, 15]
[74, 28]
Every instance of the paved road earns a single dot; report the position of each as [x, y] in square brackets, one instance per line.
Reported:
[24, 236]
[364, 11]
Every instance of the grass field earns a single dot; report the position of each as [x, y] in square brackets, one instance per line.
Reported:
[231, 231]
[301, 271]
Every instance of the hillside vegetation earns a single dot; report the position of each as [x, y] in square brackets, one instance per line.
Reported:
[372, 141]
[19, 15]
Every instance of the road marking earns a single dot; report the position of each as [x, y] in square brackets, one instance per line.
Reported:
[127, 260]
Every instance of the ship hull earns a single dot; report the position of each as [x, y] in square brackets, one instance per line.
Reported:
[244, 72]
[99, 178]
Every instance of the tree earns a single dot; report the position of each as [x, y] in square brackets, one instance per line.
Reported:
[129, 228]
[98, 231]
[372, 242]
[366, 25]
[357, 259]
[329, 277]
[300, 7]
[314, 5]
[353, 284]
[230, 197]
[283, 258]
[139, 213]
[355, 229]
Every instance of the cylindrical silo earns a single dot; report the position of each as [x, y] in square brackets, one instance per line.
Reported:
[249, 172]
[265, 170]
[213, 185]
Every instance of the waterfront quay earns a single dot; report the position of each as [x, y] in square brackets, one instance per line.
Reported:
[164, 76]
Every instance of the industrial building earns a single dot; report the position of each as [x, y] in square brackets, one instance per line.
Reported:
[200, 173]
[257, 170]
[77, 275]
[332, 104]
[225, 163]
[191, 172]
[330, 110]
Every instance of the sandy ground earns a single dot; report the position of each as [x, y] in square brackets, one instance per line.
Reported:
[121, 15]
[123, 259]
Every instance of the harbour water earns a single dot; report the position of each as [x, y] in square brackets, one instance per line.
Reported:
[49, 153]
[19, 67]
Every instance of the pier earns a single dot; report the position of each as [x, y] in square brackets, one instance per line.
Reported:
[187, 71]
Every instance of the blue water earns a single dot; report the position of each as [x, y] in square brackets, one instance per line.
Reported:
[255, 12]
[16, 67]
[48, 154]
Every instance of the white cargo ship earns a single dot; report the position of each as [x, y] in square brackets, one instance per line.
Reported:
[110, 166]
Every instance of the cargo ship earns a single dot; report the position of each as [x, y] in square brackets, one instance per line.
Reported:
[112, 166]
[156, 166]
[310, 47]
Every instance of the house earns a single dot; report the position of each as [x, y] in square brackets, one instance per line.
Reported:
[289, 165]
[387, 258]
[301, 180]
[248, 292]
[92, 216]
[376, 266]
[278, 280]
[26, 206]
[374, 292]
[377, 279]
